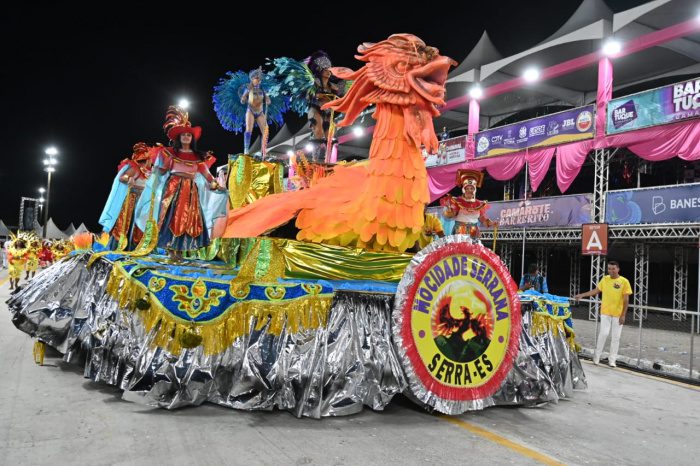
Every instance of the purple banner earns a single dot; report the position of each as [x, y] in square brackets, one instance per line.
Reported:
[557, 128]
[659, 106]
[560, 211]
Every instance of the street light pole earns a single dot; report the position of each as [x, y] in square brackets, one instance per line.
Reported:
[42, 191]
[49, 167]
[48, 196]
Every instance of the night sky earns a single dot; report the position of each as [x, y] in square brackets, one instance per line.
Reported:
[93, 82]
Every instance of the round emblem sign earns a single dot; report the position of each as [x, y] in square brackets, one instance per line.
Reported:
[457, 323]
[584, 121]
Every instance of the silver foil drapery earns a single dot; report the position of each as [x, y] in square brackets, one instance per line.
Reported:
[329, 371]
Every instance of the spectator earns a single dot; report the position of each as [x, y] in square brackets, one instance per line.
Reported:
[534, 280]
[616, 291]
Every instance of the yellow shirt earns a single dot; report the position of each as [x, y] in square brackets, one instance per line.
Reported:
[614, 290]
[433, 225]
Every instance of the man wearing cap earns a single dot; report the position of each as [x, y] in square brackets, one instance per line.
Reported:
[467, 211]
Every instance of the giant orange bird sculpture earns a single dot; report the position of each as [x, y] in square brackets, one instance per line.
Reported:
[376, 204]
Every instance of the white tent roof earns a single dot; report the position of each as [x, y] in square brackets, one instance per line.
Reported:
[81, 229]
[585, 31]
[4, 231]
[53, 232]
[38, 229]
[591, 24]
[70, 230]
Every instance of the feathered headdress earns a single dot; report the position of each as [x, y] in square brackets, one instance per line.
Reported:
[318, 62]
[232, 112]
[473, 177]
[296, 82]
[256, 73]
[177, 122]
[140, 152]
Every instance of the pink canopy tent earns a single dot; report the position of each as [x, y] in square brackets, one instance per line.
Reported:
[654, 143]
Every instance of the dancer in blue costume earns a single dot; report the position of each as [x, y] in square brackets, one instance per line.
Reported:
[241, 100]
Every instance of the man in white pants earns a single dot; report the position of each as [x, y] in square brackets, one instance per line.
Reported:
[616, 291]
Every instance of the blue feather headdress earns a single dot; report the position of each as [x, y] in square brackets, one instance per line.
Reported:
[227, 100]
[296, 82]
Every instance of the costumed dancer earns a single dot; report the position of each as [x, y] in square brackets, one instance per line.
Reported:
[185, 197]
[467, 211]
[242, 100]
[431, 228]
[310, 85]
[379, 204]
[45, 256]
[35, 247]
[117, 218]
[60, 249]
[16, 258]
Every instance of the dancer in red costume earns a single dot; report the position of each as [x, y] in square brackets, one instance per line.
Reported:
[467, 210]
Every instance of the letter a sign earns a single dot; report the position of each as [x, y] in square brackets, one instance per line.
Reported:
[594, 239]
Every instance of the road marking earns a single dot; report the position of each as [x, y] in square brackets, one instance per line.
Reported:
[4, 280]
[651, 377]
[488, 435]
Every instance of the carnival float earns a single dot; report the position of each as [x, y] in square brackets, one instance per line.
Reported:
[319, 300]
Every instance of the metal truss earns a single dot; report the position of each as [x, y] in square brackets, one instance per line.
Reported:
[656, 233]
[506, 253]
[641, 280]
[21, 211]
[597, 274]
[542, 260]
[680, 282]
[669, 233]
[569, 235]
[601, 159]
[574, 272]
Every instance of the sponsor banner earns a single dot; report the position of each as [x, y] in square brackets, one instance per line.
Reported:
[453, 150]
[558, 128]
[594, 239]
[458, 321]
[660, 106]
[666, 204]
[560, 211]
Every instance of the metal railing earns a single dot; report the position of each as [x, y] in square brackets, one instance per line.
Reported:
[663, 343]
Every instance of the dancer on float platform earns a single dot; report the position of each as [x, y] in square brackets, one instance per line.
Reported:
[467, 210]
[309, 85]
[186, 197]
[616, 291]
[241, 100]
[117, 218]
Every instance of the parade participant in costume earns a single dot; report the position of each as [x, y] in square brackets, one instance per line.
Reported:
[325, 90]
[379, 204]
[60, 249]
[186, 198]
[241, 100]
[33, 252]
[467, 210]
[310, 85]
[118, 215]
[45, 255]
[16, 258]
[431, 228]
